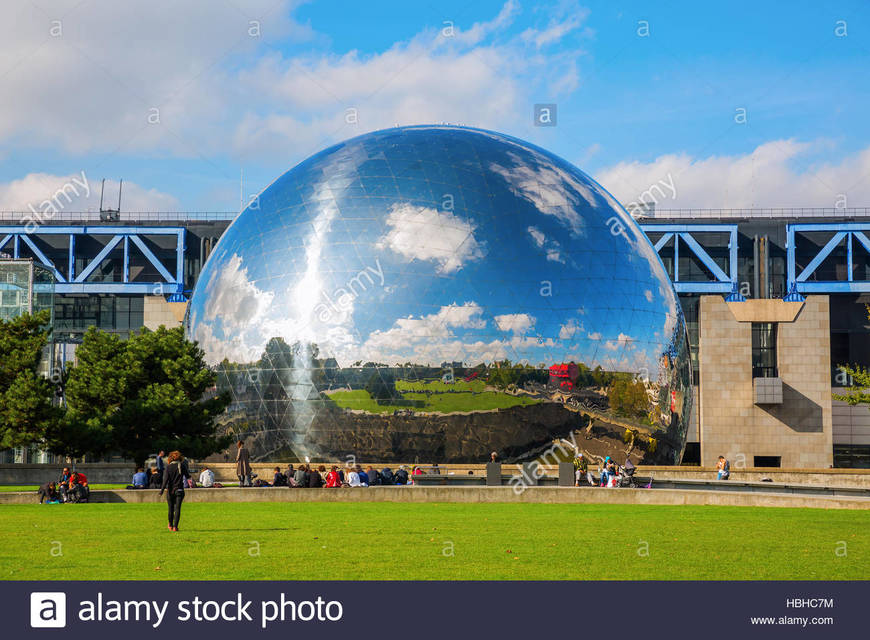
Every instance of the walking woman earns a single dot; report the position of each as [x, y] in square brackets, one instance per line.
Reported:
[173, 483]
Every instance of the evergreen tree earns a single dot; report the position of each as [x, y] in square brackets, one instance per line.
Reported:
[26, 412]
[152, 392]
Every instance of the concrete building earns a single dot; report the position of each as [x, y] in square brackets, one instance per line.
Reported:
[775, 304]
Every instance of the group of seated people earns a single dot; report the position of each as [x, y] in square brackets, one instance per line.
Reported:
[71, 487]
[146, 479]
[306, 476]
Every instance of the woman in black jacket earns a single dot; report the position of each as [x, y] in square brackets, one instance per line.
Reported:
[315, 480]
[173, 483]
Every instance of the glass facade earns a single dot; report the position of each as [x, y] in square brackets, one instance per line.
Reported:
[764, 364]
[74, 314]
[25, 287]
[440, 292]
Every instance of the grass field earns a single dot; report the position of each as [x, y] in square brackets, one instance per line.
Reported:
[437, 386]
[278, 541]
[445, 402]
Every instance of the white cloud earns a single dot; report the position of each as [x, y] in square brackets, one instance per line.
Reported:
[594, 335]
[81, 194]
[517, 323]
[552, 190]
[480, 30]
[552, 249]
[769, 176]
[221, 91]
[562, 23]
[567, 330]
[92, 87]
[436, 326]
[423, 233]
[648, 295]
[622, 341]
[234, 299]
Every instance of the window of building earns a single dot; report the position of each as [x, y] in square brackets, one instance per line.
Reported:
[764, 350]
[767, 461]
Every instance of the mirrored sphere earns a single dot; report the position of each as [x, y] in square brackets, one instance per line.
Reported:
[435, 293]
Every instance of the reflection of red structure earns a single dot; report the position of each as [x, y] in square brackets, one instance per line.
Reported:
[472, 376]
[564, 375]
[673, 401]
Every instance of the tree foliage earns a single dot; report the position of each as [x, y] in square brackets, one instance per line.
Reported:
[153, 391]
[628, 397]
[381, 386]
[859, 392]
[26, 412]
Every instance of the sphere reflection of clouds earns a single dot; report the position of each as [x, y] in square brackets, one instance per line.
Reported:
[435, 244]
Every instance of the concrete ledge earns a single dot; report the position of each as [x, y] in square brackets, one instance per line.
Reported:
[36, 474]
[543, 495]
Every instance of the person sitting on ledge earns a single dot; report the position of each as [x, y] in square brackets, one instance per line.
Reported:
[48, 492]
[206, 478]
[402, 475]
[77, 490]
[374, 476]
[387, 476]
[63, 484]
[140, 479]
[333, 480]
[315, 479]
[279, 479]
[290, 474]
[416, 471]
[154, 479]
[352, 477]
[363, 476]
[300, 477]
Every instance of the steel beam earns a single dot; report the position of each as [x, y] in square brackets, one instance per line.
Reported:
[722, 282]
[850, 231]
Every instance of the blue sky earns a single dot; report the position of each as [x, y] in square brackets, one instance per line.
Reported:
[260, 85]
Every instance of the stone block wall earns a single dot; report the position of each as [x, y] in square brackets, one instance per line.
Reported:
[731, 424]
[157, 311]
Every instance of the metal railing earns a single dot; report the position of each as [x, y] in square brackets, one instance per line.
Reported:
[642, 213]
[134, 217]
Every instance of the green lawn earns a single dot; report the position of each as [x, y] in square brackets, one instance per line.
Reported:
[439, 386]
[279, 541]
[446, 402]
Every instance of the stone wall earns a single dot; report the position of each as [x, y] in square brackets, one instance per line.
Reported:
[467, 437]
[799, 430]
[156, 312]
[475, 495]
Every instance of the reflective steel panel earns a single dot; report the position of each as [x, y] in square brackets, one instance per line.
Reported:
[435, 293]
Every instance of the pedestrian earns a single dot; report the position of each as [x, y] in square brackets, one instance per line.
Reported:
[493, 457]
[723, 468]
[48, 492]
[161, 465]
[174, 477]
[243, 465]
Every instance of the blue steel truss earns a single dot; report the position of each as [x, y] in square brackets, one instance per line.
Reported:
[851, 232]
[171, 284]
[722, 282]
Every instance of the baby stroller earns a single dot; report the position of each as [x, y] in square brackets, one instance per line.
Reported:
[626, 475]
